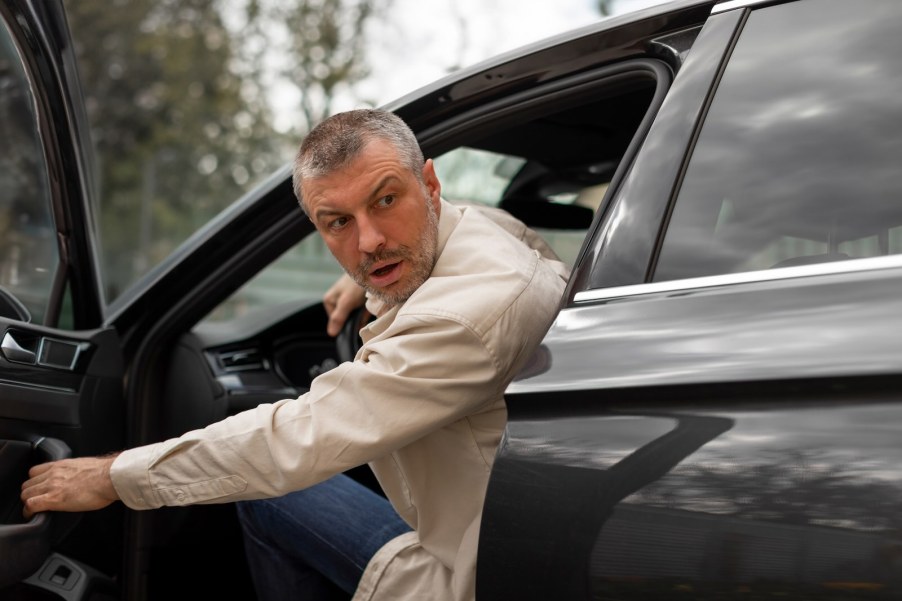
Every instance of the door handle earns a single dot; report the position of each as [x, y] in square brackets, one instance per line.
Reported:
[13, 351]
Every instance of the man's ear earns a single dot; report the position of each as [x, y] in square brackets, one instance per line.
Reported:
[431, 181]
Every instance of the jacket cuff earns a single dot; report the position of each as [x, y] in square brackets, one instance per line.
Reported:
[131, 477]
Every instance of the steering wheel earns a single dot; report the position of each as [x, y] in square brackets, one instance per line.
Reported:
[348, 341]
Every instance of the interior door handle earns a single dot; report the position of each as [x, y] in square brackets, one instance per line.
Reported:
[13, 351]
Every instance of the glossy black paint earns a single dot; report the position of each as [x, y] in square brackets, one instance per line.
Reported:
[717, 438]
[609, 41]
[698, 493]
[678, 447]
[728, 333]
[624, 242]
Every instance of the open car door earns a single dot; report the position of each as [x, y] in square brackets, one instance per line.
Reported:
[61, 371]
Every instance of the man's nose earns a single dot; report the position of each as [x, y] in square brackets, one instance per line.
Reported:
[369, 236]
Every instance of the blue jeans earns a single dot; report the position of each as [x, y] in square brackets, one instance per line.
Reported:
[314, 543]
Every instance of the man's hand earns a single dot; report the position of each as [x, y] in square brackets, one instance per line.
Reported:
[81, 484]
[343, 297]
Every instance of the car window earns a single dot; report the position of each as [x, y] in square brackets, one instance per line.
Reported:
[473, 175]
[29, 256]
[178, 125]
[304, 272]
[797, 161]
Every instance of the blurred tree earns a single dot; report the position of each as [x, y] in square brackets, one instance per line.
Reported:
[178, 134]
[325, 50]
[606, 7]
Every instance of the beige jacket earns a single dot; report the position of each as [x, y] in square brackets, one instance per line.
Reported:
[421, 403]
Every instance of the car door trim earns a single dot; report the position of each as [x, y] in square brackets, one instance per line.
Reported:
[731, 279]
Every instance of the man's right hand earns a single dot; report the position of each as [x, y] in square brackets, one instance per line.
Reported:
[81, 484]
[343, 297]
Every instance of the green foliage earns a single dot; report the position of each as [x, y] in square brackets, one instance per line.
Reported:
[177, 97]
[324, 46]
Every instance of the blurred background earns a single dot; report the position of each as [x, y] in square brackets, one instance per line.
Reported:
[191, 103]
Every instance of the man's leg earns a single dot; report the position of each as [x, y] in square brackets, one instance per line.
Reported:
[315, 543]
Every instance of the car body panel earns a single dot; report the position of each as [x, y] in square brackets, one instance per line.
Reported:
[726, 333]
[699, 490]
[610, 41]
[729, 436]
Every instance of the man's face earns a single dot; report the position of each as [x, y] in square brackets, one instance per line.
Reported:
[379, 220]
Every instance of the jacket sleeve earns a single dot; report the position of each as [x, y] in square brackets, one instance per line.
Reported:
[403, 387]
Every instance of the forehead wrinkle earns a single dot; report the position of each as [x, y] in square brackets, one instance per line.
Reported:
[374, 192]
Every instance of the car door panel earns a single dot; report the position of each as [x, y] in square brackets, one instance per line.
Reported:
[728, 433]
[704, 456]
[61, 368]
[642, 493]
[60, 379]
[59, 391]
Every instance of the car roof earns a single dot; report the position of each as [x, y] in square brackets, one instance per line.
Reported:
[545, 60]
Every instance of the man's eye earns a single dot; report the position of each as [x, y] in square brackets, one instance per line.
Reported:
[338, 223]
[386, 200]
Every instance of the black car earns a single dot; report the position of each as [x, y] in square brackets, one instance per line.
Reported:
[716, 411]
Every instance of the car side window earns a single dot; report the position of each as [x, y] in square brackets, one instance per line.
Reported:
[476, 176]
[303, 272]
[797, 161]
[29, 256]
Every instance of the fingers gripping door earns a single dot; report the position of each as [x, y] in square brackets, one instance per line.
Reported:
[25, 545]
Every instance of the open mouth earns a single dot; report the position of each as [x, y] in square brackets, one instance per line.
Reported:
[384, 270]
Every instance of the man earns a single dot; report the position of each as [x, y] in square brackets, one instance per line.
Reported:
[461, 303]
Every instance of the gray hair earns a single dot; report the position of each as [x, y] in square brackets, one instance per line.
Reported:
[337, 141]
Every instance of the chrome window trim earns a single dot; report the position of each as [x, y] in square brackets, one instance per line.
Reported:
[734, 4]
[731, 279]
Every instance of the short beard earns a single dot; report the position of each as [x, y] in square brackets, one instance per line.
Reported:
[421, 262]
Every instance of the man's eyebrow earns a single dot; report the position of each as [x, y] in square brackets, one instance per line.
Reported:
[323, 213]
[382, 183]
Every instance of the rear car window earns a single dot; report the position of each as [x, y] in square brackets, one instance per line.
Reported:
[798, 159]
[475, 176]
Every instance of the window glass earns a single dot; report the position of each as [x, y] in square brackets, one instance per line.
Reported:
[470, 175]
[798, 159]
[304, 272]
[474, 176]
[28, 252]
[180, 123]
